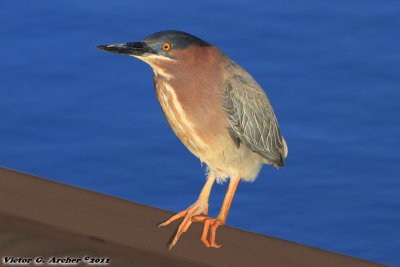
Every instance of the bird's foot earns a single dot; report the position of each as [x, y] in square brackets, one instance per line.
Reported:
[210, 225]
[198, 208]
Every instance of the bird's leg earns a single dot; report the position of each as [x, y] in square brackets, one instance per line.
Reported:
[210, 224]
[200, 207]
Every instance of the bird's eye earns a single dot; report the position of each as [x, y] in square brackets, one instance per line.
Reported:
[166, 46]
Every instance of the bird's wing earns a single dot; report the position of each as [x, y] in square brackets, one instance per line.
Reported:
[252, 119]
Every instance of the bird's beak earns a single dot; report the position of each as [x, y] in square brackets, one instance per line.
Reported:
[133, 49]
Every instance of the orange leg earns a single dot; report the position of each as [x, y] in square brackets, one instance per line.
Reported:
[210, 224]
[200, 207]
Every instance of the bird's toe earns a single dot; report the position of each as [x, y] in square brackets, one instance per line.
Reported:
[210, 229]
[197, 209]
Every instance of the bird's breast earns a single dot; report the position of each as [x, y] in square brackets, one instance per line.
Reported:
[179, 118]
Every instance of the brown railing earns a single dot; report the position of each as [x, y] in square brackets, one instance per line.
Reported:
[42, 219]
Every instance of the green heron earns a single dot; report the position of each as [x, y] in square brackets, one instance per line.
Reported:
[217, 110]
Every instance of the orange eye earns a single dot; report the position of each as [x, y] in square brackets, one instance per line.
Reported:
[166, 46]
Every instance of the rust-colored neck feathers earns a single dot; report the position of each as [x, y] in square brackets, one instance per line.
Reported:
[197, 80]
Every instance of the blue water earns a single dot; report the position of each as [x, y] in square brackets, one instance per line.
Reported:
[77, 115]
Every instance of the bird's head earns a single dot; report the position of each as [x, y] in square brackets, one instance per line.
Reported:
[162, 50]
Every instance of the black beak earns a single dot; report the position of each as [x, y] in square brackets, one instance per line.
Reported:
[134, 49]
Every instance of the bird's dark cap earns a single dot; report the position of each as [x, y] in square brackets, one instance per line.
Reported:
[179, 39]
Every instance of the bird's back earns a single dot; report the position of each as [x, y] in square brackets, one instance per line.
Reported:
[251, 116]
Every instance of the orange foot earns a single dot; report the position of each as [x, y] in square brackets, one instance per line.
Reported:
[198, 212]
[210, 225]
[198, 208]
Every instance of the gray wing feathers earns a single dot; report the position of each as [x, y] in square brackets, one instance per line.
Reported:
[252, 119]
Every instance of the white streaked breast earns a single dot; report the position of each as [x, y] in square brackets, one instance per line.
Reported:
[179, 120]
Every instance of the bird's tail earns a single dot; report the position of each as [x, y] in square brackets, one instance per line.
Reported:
[285, 148]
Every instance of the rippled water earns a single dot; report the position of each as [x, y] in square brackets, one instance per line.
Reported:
[331, 68]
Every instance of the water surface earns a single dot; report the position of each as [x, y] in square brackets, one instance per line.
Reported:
[331, 69]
